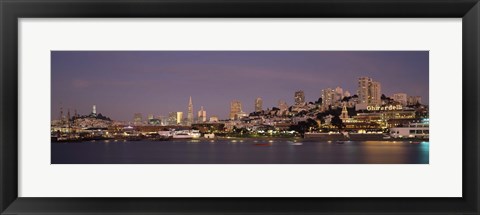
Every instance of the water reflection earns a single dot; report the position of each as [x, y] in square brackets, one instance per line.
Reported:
[242, 151]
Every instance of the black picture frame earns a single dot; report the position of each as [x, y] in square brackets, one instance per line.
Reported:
[12, 10]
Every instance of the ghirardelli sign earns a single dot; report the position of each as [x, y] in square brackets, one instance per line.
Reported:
[384, 108]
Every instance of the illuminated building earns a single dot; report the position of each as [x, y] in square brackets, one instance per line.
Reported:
[137, 118]
[190, 112]
[241, 115]
[172, 118]
[344, 114]
[387, 118]
[202, 115]
[208, 127]
[179, 118]
[413, 100]
[213, 119]
[346, 94]
[163, 120]
[369, 92]
[258, 104]
[362, 91]
[154, 121]
[375, 93]
[62, 118]
[338, 95]
[94, 110]
[299, 97]
[282, 105]
[327, 97]
[150, 116]
[235, 108]
[401, 98]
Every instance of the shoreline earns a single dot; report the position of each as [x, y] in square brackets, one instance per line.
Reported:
[293, 139]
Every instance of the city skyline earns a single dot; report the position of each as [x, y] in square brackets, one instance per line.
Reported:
[122, 83]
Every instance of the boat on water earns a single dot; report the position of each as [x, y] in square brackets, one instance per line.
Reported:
[186, 134]
[165, 134]
[296, 143]
[180, 134]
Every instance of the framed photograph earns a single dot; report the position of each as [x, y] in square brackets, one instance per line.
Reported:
[254, 107]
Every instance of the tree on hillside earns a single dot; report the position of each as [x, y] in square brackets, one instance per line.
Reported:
[337, 122]
[305, 126]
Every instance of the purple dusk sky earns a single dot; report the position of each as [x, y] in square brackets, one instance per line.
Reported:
[121, 83]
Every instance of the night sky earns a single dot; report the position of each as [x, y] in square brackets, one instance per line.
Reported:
[121, 83]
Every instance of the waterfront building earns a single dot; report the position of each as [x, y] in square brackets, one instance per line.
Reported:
[400, 98]
[235, 108]
[190, 112]
[413, 100]
[258, 104]
[369, 92]
[202, 115]
[208, 127]
[387, 118]
[299, 98]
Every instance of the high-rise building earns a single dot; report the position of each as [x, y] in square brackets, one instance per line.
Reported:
[400, 98]
[375, 93]
[94, 110]
[413, 100]
[163, 119]
[338, 94]
[346, 94]
[258, 104]
[282, 105]
[235, 108]
[299, 97]
[190, 112]
[179, 118]
[328, 97]
[68, 116]
[137, 118]
[213, 119]
[62, 117]
[363, 89]
[150, 116]
[369, 92]
[172, 118]
[202, 115]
